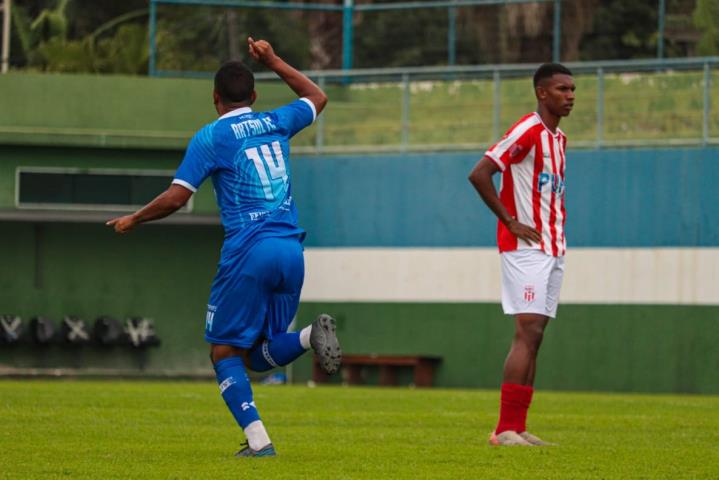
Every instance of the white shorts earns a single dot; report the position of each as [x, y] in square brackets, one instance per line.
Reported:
[531, 281]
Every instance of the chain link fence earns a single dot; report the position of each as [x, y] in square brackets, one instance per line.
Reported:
[194, 36]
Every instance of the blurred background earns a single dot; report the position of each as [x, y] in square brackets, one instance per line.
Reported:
[98, 100]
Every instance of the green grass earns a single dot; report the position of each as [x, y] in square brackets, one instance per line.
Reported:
[447, 112]
[117, 429]
[637, 107]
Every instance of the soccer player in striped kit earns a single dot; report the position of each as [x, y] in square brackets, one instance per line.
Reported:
[530, 236]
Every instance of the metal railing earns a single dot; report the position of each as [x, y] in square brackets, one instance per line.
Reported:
[619, 104]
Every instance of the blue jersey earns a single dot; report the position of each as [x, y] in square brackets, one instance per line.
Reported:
[247, 155]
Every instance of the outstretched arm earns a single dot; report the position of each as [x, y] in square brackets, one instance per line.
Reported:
[481, 179]
[166, 203]
[261, 51]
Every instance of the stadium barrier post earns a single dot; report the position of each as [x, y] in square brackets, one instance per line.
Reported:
[660, 28]
[452, 36]
[152, 67]
[347, 15]
[404, 142]
[600, 107]
[557, 40]
[320, 132]
[707, 104]
[497, 84]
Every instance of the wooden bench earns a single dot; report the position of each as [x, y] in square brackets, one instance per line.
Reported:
[422, 365]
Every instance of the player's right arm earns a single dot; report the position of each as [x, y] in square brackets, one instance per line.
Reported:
[481, 178]
[261, 51]
[198, 164]
[167, 203]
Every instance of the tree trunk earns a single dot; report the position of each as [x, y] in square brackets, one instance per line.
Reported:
[233, 35]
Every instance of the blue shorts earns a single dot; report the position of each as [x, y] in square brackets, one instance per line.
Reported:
[255, 294]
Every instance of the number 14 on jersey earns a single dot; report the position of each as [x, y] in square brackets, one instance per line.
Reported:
[275, 162]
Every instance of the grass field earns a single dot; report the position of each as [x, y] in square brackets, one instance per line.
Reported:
[443, 112]
[637, 107]
[118, 429]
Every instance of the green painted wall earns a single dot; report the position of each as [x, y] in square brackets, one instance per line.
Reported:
[164, 272]
[643, 348]
[161, 272]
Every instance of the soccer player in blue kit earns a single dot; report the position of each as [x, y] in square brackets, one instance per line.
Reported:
[256, 290]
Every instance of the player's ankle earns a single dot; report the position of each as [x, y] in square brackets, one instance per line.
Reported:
[305, 334]
[257, 436]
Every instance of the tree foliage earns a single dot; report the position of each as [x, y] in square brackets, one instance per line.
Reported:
[199, 38]
[45, 37]
[622, 30]
[107, 36]
[706, 19]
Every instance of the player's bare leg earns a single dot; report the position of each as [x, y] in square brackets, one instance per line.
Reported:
[519, 371]
[521, 362]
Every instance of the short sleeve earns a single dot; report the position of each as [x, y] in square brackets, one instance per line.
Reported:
[296, 115]
[199, 161]
[513, 147]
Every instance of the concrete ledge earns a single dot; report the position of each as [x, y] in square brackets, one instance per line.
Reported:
[11, 372]
[65, 216]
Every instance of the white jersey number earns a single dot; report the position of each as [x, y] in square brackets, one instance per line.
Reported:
[275, 165]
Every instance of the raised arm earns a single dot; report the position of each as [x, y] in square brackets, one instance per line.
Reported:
[481, 179]
[166, 203]
[261, 51]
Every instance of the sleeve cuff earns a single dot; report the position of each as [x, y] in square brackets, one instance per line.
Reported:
[500, 164]
[185, 184]
[312, 107]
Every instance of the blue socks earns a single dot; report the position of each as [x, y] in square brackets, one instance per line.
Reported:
[234, 382]
[281, 350]
[236, 390]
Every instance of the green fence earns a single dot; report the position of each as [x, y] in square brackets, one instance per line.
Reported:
[618, 104]
[637, 103]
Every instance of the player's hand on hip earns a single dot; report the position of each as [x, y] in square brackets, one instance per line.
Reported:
[122, 224]
[261, 51]
[524, 232]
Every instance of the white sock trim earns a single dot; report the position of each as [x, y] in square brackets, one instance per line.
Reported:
[305, 337]
[257, 435]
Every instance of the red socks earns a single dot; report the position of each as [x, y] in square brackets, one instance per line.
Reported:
[513, 408]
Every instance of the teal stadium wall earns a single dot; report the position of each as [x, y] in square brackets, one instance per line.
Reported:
[399, 248]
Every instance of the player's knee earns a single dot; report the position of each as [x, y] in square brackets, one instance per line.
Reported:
[221, 352]
[536, 340]
[531, 336]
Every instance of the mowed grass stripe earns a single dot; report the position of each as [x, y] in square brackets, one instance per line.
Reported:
[119, 429]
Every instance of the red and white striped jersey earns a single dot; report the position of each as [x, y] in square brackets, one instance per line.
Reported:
[532, 162]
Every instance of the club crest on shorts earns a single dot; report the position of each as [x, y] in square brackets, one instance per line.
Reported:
[529, 293]
[210, 317]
